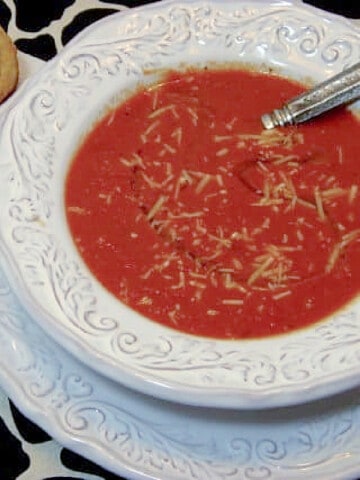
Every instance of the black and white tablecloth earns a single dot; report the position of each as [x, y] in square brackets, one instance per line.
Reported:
[41, 28]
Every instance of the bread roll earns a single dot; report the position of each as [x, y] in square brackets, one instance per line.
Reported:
[9, 69]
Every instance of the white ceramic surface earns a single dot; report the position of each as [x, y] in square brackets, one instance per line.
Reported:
[37, 139]
[147, 438]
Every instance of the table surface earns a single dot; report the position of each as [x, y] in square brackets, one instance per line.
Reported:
[41, 29]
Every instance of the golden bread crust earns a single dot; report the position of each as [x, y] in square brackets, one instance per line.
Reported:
[9, 69]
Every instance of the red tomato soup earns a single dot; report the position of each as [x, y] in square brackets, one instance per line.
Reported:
[189, 212]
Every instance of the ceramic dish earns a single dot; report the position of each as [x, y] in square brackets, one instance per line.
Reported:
[144, 438]
[37, 140]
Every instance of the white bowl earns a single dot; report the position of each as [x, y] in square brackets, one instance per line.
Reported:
[37, 141]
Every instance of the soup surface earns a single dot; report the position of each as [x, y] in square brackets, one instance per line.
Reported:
[189, 212]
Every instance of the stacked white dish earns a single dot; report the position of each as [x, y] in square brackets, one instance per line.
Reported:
[70, 352]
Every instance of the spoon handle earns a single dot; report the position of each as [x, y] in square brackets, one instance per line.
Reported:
[338, 90]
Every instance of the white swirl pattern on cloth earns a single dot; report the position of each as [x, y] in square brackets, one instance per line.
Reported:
[56, 27]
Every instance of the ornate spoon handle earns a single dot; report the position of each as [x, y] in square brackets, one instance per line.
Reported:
[340, 89]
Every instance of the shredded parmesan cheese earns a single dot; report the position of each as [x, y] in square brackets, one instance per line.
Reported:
[135, 161]
[202, 184]
[156, 207]
[339, 248]
[194, 115]
[233, 301]
[222, 152]
[353, 193]
[160, 111]
[151, 127]
[177, 134]
[281, 295]
[340, 154]
[319, 204]
[260, 270]
[221, 138]
[78, 210]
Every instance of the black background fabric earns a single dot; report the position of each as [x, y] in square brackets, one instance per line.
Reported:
[32, 16]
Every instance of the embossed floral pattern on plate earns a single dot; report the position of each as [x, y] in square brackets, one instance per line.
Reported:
[37, 140]
[140, 437]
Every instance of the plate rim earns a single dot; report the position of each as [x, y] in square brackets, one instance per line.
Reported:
[40, 392]
[160, 386]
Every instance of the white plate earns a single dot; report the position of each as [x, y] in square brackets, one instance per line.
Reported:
[37, 140]
[145, 438]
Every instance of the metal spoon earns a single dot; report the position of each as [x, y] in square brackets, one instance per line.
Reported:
[340, 89]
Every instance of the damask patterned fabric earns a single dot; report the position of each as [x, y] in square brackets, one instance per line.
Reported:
[41, 29]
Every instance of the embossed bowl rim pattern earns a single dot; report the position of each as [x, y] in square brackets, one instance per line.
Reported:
[141, 438]
[38, 138]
